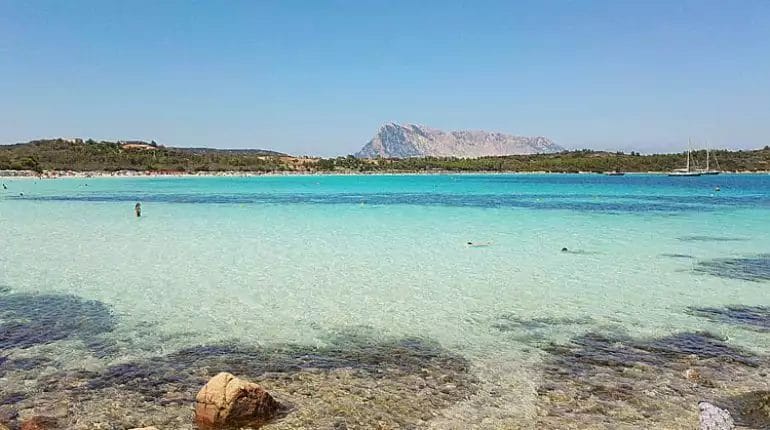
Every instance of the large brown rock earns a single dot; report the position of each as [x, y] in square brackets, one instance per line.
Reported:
[226, 401]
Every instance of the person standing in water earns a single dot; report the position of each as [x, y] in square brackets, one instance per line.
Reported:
[138, 209]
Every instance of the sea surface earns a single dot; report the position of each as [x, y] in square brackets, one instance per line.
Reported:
[359, 302]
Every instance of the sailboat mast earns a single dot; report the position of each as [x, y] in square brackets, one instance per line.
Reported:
[689, 145]
[707, 159]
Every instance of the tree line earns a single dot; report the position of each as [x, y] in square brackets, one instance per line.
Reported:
[89, 155]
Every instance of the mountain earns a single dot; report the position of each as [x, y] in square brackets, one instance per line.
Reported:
[410, 140]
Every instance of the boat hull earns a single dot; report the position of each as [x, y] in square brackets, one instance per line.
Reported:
[684, 174]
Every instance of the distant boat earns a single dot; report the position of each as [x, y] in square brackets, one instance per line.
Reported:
[708, 170]
[687, 171]
[614, 173]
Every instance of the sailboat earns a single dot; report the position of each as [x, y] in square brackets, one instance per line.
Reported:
[687, 171]
[708, 170]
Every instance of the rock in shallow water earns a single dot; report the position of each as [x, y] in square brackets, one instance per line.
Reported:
[692, 375]
[226, 400]
[39, 423]
[355, 378]
[752, 409]
[714, 418]
[612, 380]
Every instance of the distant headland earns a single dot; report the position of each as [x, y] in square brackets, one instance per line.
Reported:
[110, 157]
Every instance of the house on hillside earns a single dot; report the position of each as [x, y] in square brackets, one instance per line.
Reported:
[136, 145]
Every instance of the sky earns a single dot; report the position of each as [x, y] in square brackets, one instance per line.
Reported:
[319, 77]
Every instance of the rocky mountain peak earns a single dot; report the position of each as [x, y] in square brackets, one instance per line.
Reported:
[413, 140]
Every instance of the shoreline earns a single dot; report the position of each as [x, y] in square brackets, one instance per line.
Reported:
[67, 174]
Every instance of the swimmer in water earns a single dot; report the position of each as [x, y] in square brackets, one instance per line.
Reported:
[717, 189]
[564, 249]
[138, 209]
[479, 245]
[4, 187]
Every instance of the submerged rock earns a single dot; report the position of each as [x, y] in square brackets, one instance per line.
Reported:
[617, 381]
[227, 401]
[39, 423]
[692, 375]
[752, 409]
[714, 418]
[356, 378]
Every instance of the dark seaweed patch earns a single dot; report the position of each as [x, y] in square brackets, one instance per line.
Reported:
[37, 319]
[702, 344]
[755, 269]
[750, 317]
[580, 252]
[594, 349]
[688, 256]
[699, 238]
[752, 409]
[583, 203]
[12, 398]
[376, 358]
[632, 380]
[27, 363]
[401, 380]
[513, 323]
[8, 413]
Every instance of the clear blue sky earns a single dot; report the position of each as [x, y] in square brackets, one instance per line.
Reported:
[319, 77]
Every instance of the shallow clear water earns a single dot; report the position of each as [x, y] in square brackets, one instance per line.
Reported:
[294, 260]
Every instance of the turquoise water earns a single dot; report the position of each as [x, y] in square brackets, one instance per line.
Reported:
[291, 260]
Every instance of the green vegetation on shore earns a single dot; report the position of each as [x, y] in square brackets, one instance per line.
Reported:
[89, 155]
[78, 155]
